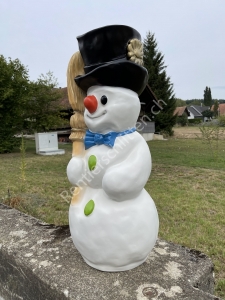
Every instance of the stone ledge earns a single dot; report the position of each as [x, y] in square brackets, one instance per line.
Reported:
[39, 261]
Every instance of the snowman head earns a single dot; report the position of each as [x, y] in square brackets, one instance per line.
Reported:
[110, 72]
[110, 109]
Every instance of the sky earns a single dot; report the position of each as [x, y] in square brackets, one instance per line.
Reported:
[190, 33]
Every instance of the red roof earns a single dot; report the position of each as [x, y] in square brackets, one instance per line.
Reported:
[221, 109]
[180, 110]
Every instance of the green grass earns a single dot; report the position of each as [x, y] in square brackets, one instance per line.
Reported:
[186, 183]
[45, 180]
[187, 152]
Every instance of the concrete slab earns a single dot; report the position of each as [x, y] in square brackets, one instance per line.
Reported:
[39, 261]
[158, 137]
[54, 152]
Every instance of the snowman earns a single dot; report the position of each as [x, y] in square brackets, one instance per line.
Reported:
[114, 223]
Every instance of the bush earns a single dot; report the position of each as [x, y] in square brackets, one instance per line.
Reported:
[7, 141]
[195, 121]
[167, 133]
[207, 113]
[210, 135]
[182, 120]
[221, 120]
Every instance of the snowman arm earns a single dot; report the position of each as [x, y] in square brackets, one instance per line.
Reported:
[126, 179]
[75, 171]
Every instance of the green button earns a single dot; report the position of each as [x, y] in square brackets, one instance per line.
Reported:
[89, 207]
[92, 161]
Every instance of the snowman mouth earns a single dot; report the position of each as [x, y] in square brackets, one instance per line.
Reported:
[102, 114]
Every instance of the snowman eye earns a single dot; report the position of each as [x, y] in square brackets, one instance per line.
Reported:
[104, 100]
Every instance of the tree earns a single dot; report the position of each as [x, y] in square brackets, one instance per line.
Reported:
[25, 105]
[182, 120]
[43, 111]
[14, 92]
[194, 102]
[160, 84]
[180, 102]
[207, 97]
[215, 108]
[207, 113]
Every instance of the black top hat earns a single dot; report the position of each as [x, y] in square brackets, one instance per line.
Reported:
[105, 55]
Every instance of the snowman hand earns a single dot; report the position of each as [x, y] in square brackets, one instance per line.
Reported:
[127, 179]
[122, 184]
[75, 170]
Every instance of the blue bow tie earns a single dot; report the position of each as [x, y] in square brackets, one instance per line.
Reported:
[108, 139]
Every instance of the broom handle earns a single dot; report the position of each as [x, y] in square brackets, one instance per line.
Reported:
[76, 137]
[78, 148]
[76, 96]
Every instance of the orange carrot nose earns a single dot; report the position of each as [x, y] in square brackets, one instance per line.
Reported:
[91, 103]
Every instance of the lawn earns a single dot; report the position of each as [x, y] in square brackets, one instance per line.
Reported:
[187, 184]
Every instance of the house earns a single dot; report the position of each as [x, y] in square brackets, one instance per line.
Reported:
[182, 114]
[196, 111]
[181, 111]
[64, 129]
[221, 109]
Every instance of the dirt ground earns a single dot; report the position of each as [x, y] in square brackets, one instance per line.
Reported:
[186, 132]
[189, 132]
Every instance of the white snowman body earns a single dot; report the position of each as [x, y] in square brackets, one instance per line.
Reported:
[122, 227]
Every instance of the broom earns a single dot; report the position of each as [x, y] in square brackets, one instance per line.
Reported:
[76, 97]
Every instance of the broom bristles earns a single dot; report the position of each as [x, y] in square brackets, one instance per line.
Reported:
[75, 94]
[77, 121]
[76, 97]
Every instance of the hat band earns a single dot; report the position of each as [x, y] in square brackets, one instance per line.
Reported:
[89, 68]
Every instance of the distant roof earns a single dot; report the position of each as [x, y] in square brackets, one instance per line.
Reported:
[195, 112]
[180, 110]
[221, 109]
[200, 108]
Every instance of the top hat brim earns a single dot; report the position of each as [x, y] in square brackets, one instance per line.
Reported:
[124, 74]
